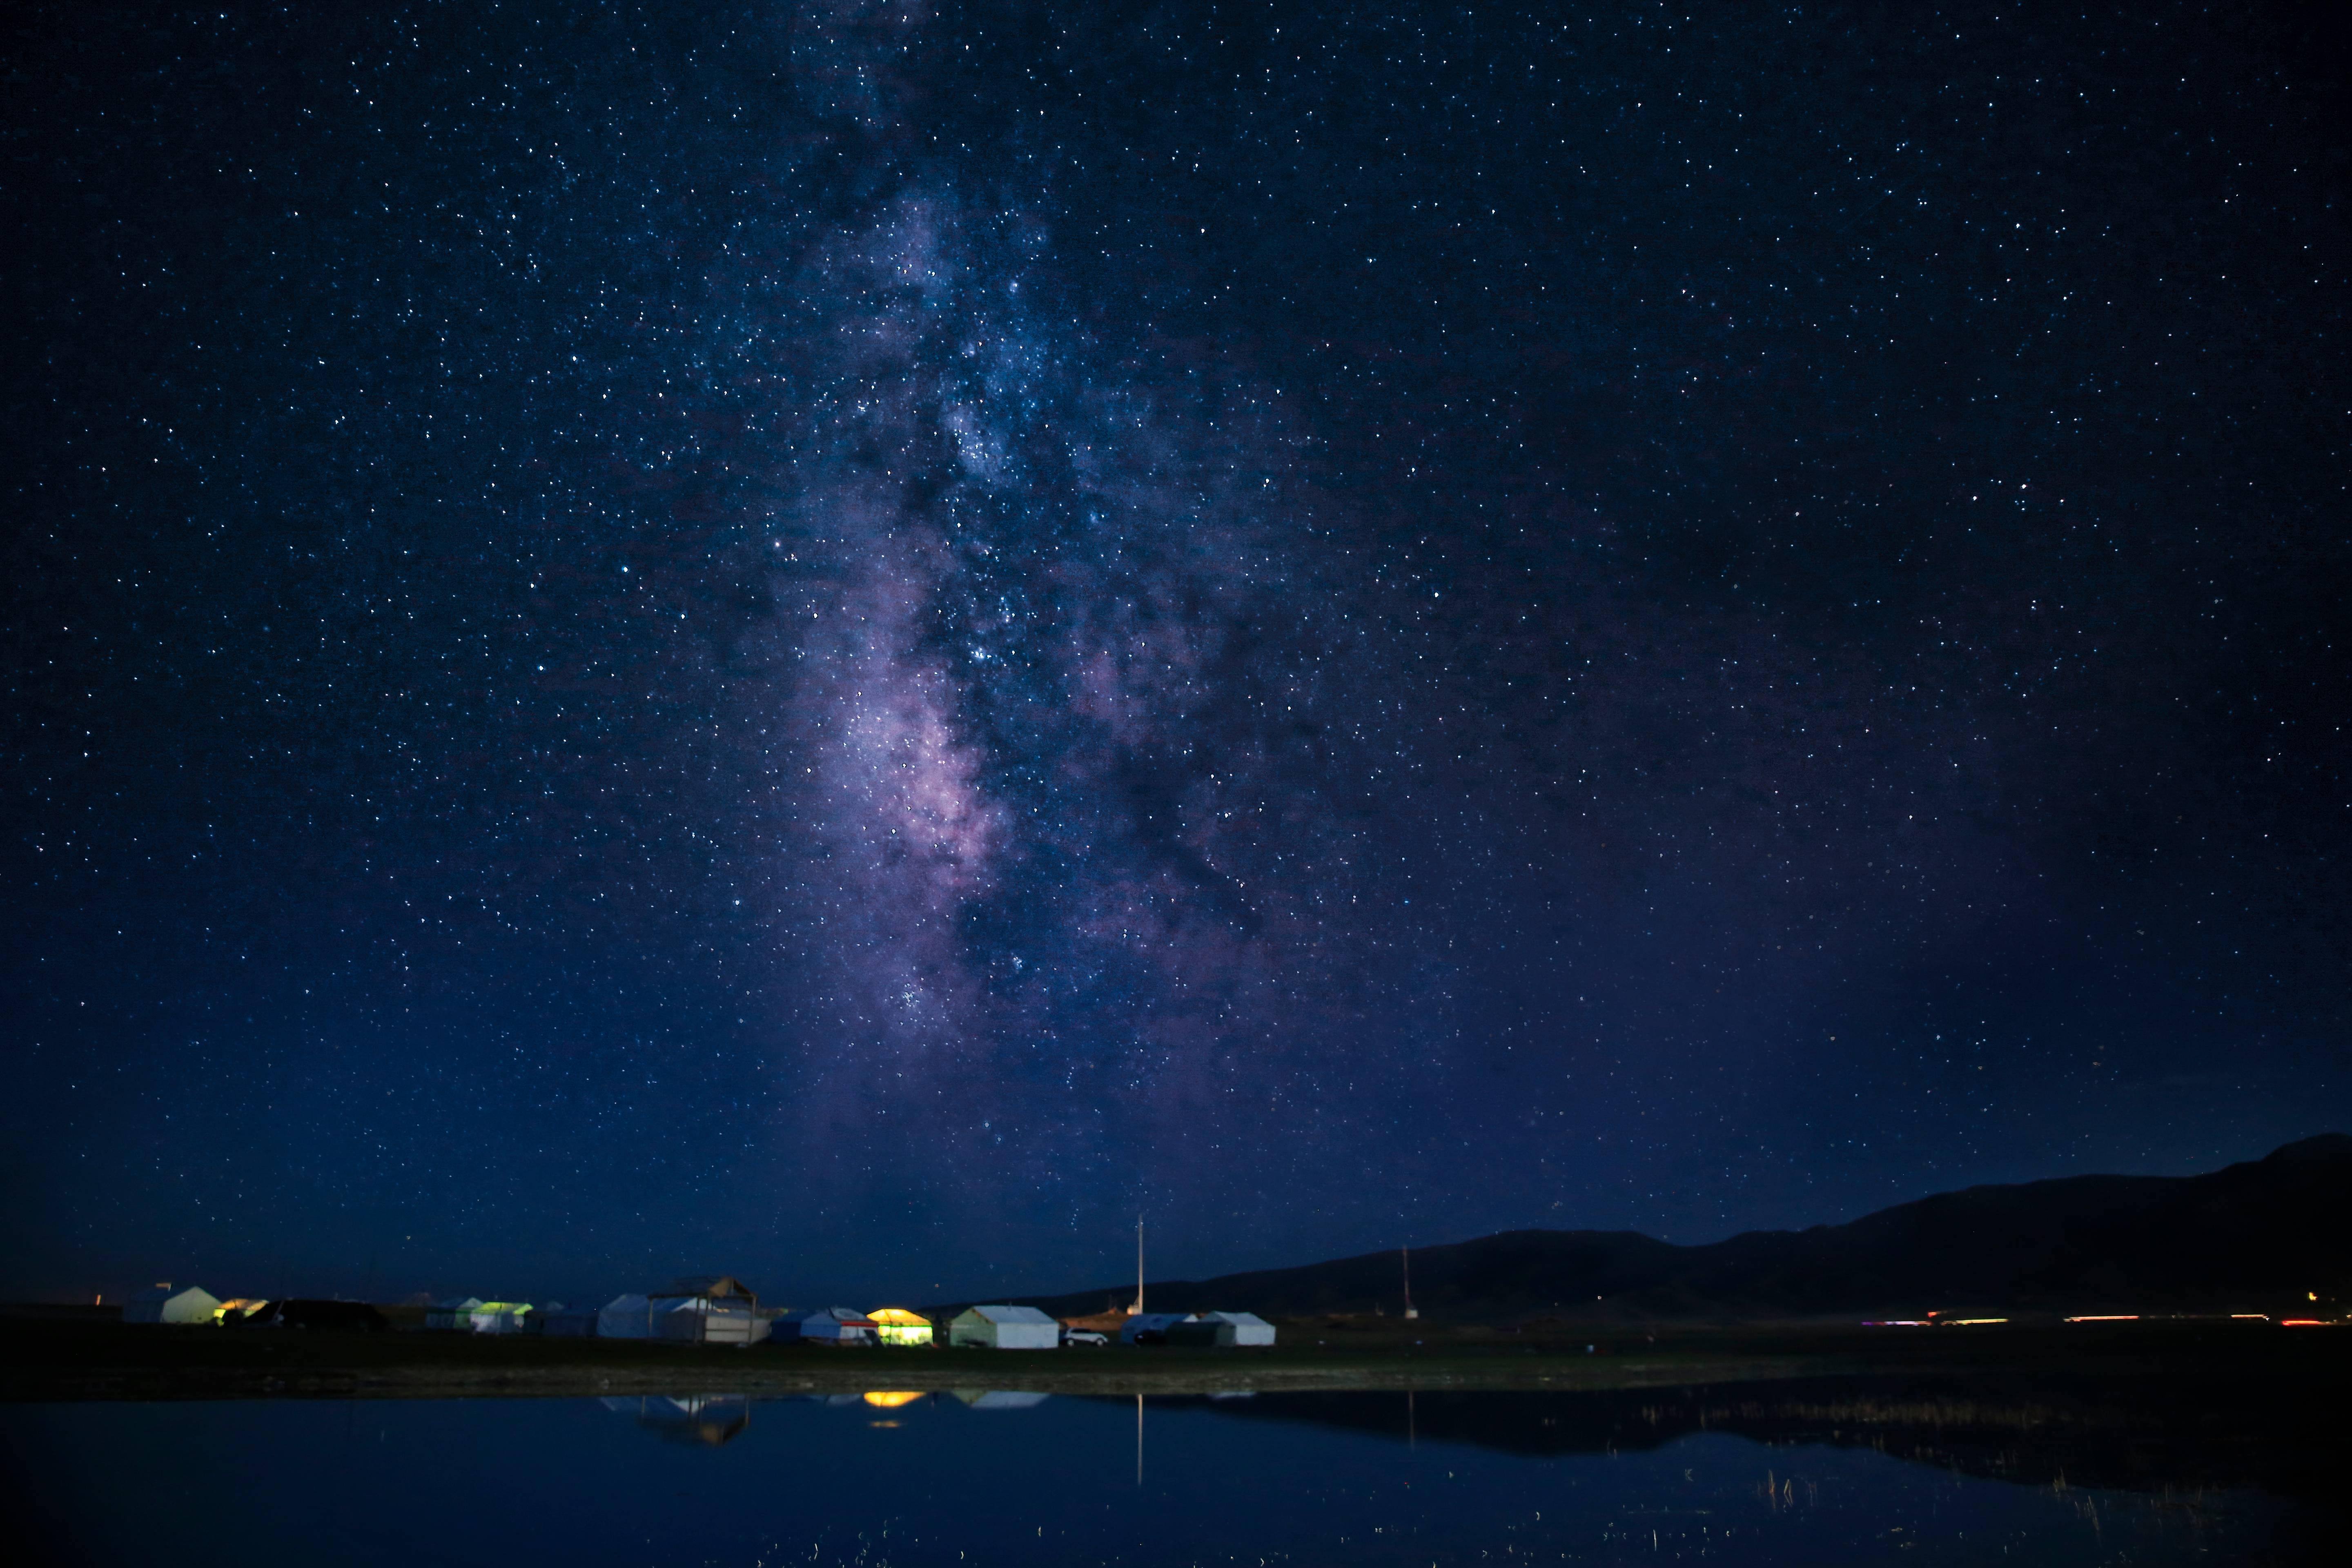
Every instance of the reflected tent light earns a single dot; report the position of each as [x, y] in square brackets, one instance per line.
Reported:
[893, 1399]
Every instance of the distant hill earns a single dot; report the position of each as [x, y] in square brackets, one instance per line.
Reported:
[2252, 1237]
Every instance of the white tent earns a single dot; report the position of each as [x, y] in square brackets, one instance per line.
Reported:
[626, 1318]
[187, 1304]
[708, 1321]
[1004, 1329]
[1229, 1328]
[839, 1325]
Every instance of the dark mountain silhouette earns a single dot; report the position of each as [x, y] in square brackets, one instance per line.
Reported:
[2258, 1237]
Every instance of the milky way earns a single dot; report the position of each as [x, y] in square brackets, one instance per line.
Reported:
[1050, 646]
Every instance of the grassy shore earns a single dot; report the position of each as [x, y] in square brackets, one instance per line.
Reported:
[54, 1357]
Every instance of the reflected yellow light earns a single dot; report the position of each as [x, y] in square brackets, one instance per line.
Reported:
[893, 1399]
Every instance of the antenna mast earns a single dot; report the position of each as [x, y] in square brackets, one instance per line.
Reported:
[1405, 1253]
[1137, 1311]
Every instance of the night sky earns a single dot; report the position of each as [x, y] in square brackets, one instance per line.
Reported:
[851, 644]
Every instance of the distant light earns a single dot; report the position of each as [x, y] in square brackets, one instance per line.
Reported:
[2305, 1323]
[1963, 1323]
[2106, 1318]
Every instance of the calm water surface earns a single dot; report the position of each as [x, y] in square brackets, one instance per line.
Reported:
[1021, 1478]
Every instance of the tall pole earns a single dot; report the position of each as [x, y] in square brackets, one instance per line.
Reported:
[1406, 1253]
[1137, 1311]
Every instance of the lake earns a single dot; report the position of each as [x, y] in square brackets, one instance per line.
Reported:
[1793, 1477]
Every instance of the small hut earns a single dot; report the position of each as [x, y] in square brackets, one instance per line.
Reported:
[897, 1326]
[164, 1303]
[999, 1328]
[838, 1326]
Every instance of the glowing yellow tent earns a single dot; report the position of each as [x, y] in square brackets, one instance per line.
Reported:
[897, 1326]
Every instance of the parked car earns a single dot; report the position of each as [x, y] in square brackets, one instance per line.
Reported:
[1084, 1337]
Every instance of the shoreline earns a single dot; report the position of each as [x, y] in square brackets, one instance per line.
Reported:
[53, 1362]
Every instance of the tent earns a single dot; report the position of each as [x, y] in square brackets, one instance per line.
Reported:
[1004, 1329]
[708, 1309]
[456, 1313]
[700, 1320]
[897, 1326]
[163, 1304]
[1149, 1328]
[626, 1318]
[838, 1326]
[501, 1318]
[1227, 1329]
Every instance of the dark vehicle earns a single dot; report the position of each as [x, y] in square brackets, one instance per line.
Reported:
[330, 1317]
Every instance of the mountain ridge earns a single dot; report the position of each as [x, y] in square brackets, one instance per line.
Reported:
[2259, 1236]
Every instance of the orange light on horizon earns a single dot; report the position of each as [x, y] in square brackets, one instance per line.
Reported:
[2305, 1323]
[893, 1399]
[2106, 1318]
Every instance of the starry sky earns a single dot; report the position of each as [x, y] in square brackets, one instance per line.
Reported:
[854, 642]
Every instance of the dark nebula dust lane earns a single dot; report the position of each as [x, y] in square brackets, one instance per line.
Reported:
[860, 641]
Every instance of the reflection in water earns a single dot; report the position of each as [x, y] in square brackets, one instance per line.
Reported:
[1001, 1398]
[709, 1419]
[1795, 1474]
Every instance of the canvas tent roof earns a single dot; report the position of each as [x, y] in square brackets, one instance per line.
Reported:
[994, 1314]
[848, 1317]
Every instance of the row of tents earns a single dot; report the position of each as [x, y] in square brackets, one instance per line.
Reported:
[714, 1308]
[721, 1309]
